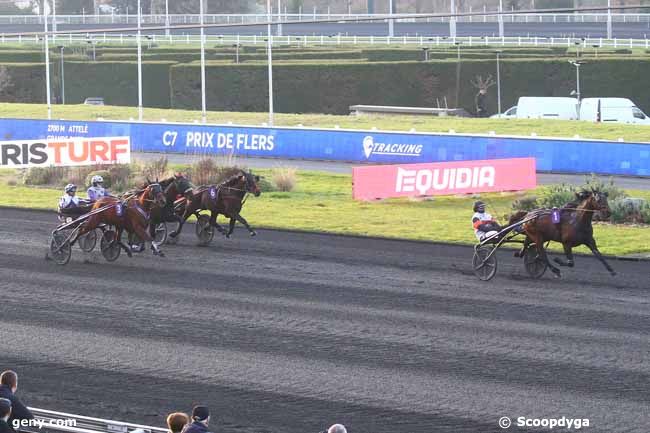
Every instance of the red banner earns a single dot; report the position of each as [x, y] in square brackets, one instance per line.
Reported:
[443, 178]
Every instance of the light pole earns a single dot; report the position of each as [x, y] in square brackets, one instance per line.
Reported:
[139, 62]
[61, 48]
[270, 57]
[501, 31]
[609, 19]
[577, 64]
[47, 64]
[203, 110]
[498, 53]
[54, 20]
[391, 22]
[452, 21]
[279, 17]
[167, 31]
[458, 75]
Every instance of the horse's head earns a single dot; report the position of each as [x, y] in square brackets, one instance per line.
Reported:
[251, 183]
[596, 201]
[155, 194]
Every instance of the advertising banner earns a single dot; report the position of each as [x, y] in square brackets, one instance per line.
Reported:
[61, 152]
[444, 178]
[364, 147]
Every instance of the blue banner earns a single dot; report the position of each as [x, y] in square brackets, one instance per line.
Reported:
[557, 155]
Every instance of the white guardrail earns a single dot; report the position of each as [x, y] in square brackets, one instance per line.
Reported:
[47, 421]
[335, 40]
[160, 19]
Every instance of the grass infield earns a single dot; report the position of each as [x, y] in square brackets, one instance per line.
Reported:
[323, 202]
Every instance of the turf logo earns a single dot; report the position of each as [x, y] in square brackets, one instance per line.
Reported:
[371, 147]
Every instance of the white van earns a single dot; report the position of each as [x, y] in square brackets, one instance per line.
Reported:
[620, 110]
[533, 107]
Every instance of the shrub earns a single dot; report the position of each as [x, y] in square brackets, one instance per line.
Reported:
[629, 210]
[12, 181]
[645, 213]
[265, 185]
[120, 175]
[613, 192]
[284, 178]
[155, 169]
[104, 173]
[55, 176]
[557, 195]
[525, 203]
[209, 170]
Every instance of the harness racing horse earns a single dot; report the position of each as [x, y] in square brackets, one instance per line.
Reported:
[573, 229]
[173, 187]
[130, 214]
[225, 198]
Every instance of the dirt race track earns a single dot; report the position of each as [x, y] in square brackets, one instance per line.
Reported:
[291, 332]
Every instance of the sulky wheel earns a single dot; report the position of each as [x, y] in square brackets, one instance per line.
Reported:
[535, 265]
[110, 246]
[160, 234]
[484, 262]
[204, 231]
[88, 241]
[60, 248]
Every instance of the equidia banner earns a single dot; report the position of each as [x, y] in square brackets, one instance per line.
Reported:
[558, 155]
[65, 152]
[384, 181]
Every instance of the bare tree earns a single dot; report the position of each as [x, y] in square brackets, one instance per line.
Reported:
[482, 84]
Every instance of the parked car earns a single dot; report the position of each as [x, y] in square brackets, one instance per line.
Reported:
[533, 107]
[620, 110]
[510, 113]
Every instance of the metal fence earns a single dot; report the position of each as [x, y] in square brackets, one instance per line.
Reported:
[60, 422]
[334, 40]
[160, 19]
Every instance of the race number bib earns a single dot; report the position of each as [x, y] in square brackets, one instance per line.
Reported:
[119, 210]
[213, 193]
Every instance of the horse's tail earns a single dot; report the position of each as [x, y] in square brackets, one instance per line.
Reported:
[517, 216]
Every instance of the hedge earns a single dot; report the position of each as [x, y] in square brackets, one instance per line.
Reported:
[187, 57]
[333, 87]
[405, 54]
[22, 82]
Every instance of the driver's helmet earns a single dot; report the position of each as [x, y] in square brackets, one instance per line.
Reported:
[97, 179]
[71, 187]
[479, 206]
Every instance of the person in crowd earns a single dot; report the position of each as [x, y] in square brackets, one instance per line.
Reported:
[177, 421]
[8, 387]
[5, 413]
[97, 190]
[200, 420]
[337, 428]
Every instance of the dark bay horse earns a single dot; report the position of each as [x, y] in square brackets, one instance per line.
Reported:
[573, 229]
[225, 198]
[130, 214]
[173, 187]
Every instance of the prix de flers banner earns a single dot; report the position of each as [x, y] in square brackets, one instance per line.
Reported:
[65, 152]
[443, 178]
[557, 155]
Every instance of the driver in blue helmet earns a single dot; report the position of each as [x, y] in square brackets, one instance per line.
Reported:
[483, 223]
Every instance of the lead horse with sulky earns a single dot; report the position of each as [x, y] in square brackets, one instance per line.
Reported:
[570, 225]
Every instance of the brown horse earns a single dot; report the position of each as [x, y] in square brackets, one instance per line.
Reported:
[173, 187]
[573, 229]
[131, 214]
[225, 198]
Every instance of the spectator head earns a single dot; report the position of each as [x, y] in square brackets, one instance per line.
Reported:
[5, 408]
[201, 414]
[337, 428]
[176, 421]
[10, 379]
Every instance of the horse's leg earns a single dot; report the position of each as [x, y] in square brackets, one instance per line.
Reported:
[118, 237]
[242, 220]
[541, 252]
[189, 211]
[522, 251]
[568, 252]
[591, 243]
[214, 223]
[231, 226]
[144, 235]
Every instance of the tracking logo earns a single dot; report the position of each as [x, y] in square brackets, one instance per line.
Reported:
[370, 147]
